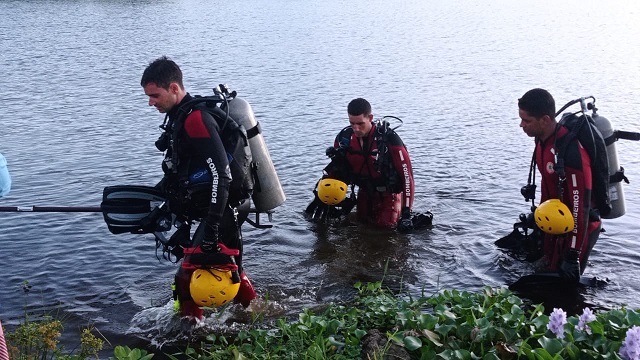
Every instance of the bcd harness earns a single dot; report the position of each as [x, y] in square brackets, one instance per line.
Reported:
[598, 159]
[582, 129]
[389, 181]
[234, 139]
[190, 199]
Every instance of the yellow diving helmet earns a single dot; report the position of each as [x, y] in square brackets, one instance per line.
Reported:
[331, 191]
[554, 217]
[212, 288]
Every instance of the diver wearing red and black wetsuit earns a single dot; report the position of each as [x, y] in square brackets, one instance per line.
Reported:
[377, 162]
[197, 179]
[576, 194]
[568, 253]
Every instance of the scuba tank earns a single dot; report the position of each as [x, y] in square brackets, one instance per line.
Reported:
[616, 172]
[267, 193]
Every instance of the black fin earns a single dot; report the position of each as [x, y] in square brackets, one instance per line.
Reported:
[127, 208]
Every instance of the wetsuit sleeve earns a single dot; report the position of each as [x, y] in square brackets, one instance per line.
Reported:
[206, 147]
[332, 170]
[336, 142]
[578, 199]
[402, 165]
[339, 167]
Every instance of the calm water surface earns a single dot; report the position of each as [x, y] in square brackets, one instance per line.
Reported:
[76, 120]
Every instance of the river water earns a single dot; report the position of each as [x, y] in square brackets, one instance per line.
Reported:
[75, 120]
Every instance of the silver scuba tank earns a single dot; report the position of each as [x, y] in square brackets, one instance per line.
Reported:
[616, 192]
[267, 193]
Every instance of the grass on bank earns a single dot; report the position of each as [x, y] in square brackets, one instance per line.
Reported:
[491, 324]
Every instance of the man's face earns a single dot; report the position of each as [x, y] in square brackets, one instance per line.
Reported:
[163, 99]
[361, 124]
[531, 125]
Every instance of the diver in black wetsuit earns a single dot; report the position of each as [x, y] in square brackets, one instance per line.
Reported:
[197, 176]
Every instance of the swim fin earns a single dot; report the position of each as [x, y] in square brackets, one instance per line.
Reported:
[133, 209]
[422, 220]
[548, 280]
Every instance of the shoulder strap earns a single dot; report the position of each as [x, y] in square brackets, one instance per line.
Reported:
[582, 129]
[344, 137]
[573, 124]
[529, 191]
[384, 164]
[175, 125]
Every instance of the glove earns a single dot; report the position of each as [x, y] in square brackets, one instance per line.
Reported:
[421, 220]
[319, 211]
[570, 266]
[405, 224]
[316, 209]
[210, 239]
[315, 205]
[527, 221]
[347, 205]
[178, 241]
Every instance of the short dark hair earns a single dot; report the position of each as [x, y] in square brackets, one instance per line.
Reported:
[538, 103]
[359, 106]
[162, 71]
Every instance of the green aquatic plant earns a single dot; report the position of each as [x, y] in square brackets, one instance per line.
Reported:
[126, 353]
[37, 337]
[39, 340]
[381, 324]
[35, 340]
[491, 324]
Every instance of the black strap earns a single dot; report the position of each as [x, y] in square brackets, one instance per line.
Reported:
[561, 149]
[254, 131]
[532, 169]
[625, 135]
[385, 166]
[618, 177]
[611, 139]
[531, 180]
[174, 128]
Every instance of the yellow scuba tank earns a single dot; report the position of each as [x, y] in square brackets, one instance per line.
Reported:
[267, 193]
[616, 192]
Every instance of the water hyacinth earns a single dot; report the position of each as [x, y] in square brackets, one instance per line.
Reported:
[630, 348]
[586, 317]
[557, 320]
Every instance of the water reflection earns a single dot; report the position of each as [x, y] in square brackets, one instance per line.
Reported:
[572, 299]
[354, 252]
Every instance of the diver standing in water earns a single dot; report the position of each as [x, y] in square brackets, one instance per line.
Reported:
[371, 156]
[197, 182]
[566, 187]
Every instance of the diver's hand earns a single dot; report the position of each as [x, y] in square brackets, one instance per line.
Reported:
[347, 205]
[319, 211]
[570, 266]
[316, 209]
[405, 224]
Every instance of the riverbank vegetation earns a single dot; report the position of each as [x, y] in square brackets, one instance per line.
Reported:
[378, 324]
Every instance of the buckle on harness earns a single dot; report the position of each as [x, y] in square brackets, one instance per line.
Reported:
[223, 260]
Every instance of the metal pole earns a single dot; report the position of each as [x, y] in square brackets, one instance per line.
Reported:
[50, 209]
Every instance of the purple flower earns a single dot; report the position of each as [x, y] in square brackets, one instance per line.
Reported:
[586, 317]
[557, 319]
[630, 348]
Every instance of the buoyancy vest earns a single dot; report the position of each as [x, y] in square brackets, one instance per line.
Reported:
[583, 129]
[234, 140]
[369, 167]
